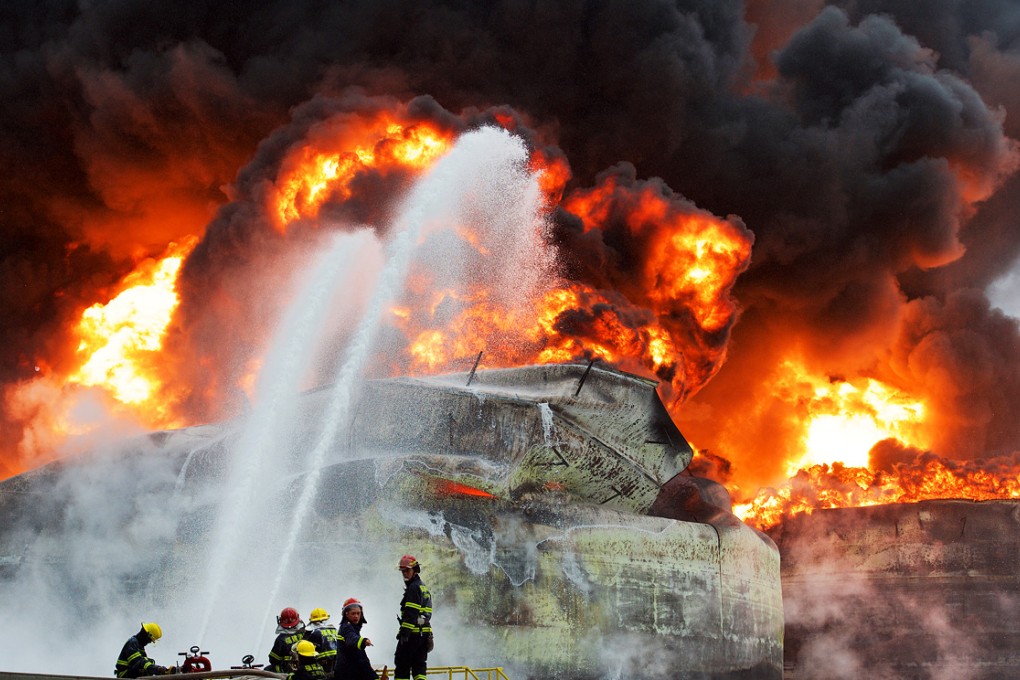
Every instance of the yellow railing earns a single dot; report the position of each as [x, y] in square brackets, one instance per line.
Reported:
[465, 673]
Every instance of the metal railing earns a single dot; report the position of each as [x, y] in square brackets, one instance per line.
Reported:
[465, 673]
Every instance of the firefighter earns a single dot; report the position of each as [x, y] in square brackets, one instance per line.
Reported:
[414, 639]
[290, 630]
[307, 666]
[132, 662]
[352, 661]
[324, 636]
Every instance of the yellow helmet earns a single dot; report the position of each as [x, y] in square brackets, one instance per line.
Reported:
[305, 648]
[318, 614]
[153, 629]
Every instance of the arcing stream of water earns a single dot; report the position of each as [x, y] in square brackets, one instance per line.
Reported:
[483, 178]
[198, 529]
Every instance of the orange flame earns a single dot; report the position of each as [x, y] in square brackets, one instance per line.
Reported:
[684, 265]
[846, 427]
[316, 173]
[691, 261]
[928, 477]
[117, 338]
[116, 385]
[692, 258]
[553, 174]
[843, 420]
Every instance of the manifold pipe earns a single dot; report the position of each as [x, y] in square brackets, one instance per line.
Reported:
[231, 673]
[234, 673]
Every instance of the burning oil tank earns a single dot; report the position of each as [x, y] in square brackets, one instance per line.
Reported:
[561, 535]
[915, 591]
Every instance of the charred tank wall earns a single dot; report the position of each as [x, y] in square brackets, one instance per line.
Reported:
[916, 591]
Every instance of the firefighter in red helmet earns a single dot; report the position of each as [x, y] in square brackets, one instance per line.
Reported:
[290, 630]
[352, 661]
[414, 639]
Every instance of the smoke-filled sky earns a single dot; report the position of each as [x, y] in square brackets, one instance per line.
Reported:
[865, 148]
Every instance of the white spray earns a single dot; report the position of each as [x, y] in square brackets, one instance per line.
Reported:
[279, 382]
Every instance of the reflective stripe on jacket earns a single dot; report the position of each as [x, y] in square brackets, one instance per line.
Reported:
[132, 662]
[326, 640]
[414, 606]
[279, 655]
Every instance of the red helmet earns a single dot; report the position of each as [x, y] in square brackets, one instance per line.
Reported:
[288, 618]
[408, 562]
[351, 602]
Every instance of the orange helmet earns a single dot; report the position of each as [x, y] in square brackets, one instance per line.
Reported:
[288, 618]
[408, 562]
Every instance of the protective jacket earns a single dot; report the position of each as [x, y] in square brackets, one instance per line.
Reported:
[411, 656]
[415, 609]
[132, 662]
[308, 668]
[326, 640]
[280, 654]
[352, 661]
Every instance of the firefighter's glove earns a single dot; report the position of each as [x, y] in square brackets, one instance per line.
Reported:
[171, 670]
[421, 620]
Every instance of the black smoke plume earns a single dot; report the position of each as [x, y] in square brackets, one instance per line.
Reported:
[867, 145]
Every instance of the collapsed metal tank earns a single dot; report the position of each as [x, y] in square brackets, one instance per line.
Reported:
[550, 503]
[915, 591]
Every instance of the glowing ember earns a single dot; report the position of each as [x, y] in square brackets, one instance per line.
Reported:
[119, 337]
[926, 478]
[448, 487]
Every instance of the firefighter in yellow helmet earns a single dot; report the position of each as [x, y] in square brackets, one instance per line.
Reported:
[307, 666]
[133, 663]
[324, 636]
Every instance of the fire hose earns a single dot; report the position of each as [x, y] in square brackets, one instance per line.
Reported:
[236, 673]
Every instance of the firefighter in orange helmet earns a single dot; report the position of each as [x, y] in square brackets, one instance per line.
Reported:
[290, 630]
[414, 639]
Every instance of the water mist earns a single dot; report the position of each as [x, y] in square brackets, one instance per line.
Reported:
[483, 182]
